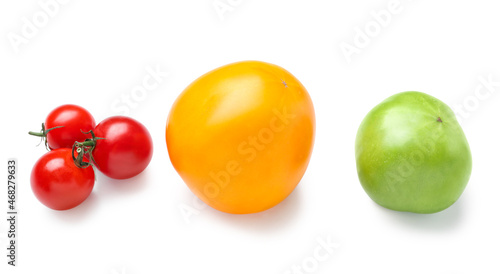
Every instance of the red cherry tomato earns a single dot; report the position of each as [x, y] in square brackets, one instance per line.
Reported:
[73, 119]
[58, 183]
[126, 149]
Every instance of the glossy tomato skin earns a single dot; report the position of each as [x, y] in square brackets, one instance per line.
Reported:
[241, 136]
[73, 119]
[126, 150]
[58, 183]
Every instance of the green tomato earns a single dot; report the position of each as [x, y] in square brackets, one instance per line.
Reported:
[412, 155]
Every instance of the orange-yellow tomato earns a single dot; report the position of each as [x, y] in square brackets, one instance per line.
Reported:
[241, 136]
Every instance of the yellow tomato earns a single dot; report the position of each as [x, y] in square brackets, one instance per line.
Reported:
[241, 136]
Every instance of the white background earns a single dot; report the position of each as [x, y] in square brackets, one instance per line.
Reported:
[93, 52]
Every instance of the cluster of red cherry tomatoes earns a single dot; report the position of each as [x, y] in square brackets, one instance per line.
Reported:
[119, 147]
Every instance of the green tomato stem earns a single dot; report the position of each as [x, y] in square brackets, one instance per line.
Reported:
[38, 134]
[43, 134]
[85, 147]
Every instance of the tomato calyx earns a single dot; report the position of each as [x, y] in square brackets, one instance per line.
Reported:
[85, 148]
[43, 134]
